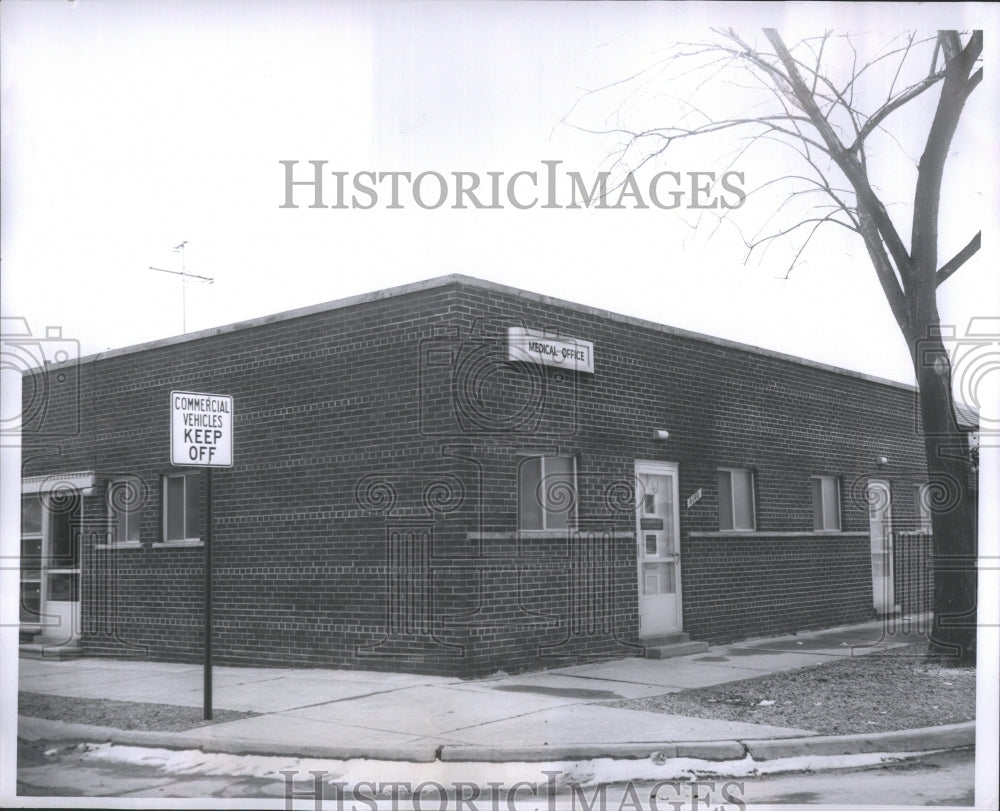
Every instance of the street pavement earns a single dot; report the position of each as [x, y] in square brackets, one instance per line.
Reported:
[395, 716]
[943, 778]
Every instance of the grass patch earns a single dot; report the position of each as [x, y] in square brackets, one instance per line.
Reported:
[899, 688]
[108, 712]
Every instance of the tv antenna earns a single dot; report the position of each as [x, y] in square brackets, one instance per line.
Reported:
[184, 279]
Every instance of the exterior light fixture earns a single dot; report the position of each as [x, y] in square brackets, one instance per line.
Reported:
[883, 461]
[661, 435]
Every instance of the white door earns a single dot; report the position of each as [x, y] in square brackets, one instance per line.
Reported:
[658, 532]
[880, 524]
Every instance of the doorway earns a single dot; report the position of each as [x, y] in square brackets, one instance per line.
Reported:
[658, 534]
[50, 565]
[880, 524]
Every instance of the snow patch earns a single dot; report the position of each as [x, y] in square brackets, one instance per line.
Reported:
[584, 772]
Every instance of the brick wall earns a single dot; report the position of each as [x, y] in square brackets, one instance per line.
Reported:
[738, 587]
[370, 518]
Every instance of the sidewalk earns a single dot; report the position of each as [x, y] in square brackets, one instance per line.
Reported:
[549, 715]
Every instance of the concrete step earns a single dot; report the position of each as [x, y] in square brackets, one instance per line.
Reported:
[666, 639]
[676, 649]
[42, 648]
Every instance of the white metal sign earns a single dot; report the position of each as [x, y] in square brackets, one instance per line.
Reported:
[567, 353]
[201, 429]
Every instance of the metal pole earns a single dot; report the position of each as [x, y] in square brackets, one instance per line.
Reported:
[184, 284]
[208, 594]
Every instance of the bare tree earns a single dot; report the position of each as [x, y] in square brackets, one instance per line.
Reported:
[827, 115]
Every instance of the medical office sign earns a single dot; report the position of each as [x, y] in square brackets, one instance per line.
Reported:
[201, 429]
[535, 347]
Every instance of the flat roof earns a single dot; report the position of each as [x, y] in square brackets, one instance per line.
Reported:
[494, 287]
[967, 416]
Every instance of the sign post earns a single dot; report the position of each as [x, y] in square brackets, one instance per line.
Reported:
[207, 681]
[201, 435]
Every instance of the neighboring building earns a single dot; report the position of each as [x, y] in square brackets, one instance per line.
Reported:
[455, 477]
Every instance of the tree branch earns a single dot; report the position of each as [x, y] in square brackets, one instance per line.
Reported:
[813, 112]
[959, 259]
[892, 105]
[848, 163]
[883, 269]
[974, 81]
[930, 172]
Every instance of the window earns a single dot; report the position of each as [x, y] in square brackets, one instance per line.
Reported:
[124, 498]
[546, 489]
[31, 558]
[63, 533]
[826, 503]
[923, 509]
[736, 499]
[182, 507]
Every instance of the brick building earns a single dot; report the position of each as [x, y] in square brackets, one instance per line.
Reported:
[455, 477]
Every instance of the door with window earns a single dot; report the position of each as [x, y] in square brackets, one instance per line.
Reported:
[880, 524]
[50, 565]
[658, 532]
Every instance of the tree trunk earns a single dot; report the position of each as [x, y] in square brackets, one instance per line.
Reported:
[948, 466]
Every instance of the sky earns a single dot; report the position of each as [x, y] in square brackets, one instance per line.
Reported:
[130, 128]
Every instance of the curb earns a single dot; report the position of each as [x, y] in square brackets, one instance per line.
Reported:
[702, 750]
[950, 736]
[33, 729]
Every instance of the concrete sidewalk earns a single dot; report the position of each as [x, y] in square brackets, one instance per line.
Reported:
[392, 716]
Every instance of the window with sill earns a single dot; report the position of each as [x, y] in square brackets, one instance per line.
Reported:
[182, 507]
[736, 499]
[124, 503]
[546, 488]
[826, 503]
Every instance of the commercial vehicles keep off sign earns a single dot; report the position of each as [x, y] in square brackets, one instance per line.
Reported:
[201, 429]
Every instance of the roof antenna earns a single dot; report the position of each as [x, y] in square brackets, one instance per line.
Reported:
[184, 278]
